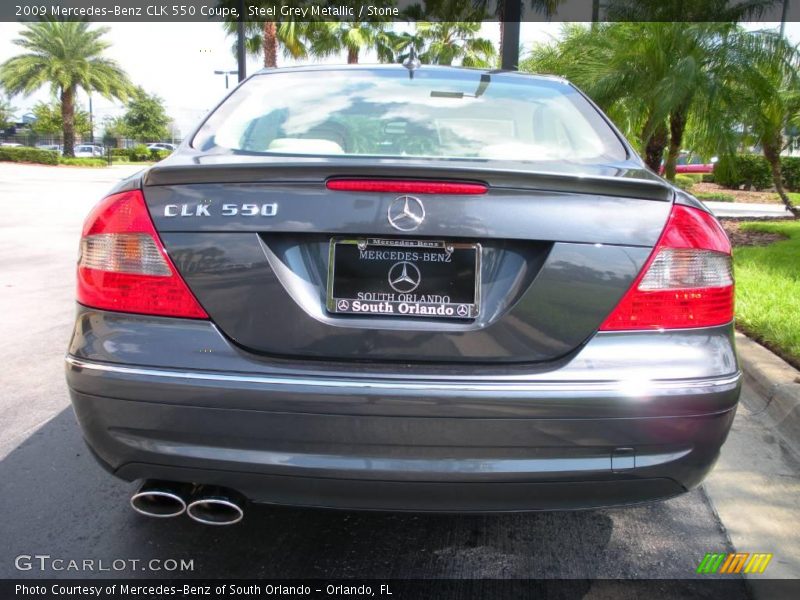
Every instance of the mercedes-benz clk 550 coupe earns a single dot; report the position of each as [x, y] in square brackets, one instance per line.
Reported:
[403, 288]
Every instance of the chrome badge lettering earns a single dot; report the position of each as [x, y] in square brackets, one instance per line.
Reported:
[204, 209]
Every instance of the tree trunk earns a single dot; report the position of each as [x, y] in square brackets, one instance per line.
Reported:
[352, 56]
[677, 125]
[654, 148]
[270, 44]
[500, 12]
[68, 120]
[772, 152]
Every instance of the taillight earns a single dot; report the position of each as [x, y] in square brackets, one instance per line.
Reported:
[406, 186]
[123, 265]
[686, 282]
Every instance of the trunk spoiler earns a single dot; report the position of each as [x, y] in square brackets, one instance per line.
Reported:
[631, 182]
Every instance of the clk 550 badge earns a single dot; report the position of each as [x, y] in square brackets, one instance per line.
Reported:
[205, 209]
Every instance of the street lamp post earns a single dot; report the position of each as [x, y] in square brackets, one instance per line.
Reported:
[226, 73]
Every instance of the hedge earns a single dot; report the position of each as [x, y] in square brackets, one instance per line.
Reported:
[748, 170]
[141, 153]
[83, 162]
[790, 169]
[753, 170]
[30, 155]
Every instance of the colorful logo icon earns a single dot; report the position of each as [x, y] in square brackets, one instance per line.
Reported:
[734, 562]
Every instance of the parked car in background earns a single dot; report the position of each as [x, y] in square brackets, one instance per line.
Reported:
[162, 146]
[426, 288]
[53, 147]
[692, 163]
[89, 151]
[11, 145]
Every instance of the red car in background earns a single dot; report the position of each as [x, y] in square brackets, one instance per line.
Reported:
[691, 163]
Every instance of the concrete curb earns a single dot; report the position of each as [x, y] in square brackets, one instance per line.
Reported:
[777, 383]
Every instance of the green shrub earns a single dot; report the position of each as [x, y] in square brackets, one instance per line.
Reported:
[684, 182]
[139, 153]
[157, 155]
[82, 162]
[790, 169]
[119, 152]
[120, 159]
[748, 170]
[31, 155]
[707, 178]
[715, 196]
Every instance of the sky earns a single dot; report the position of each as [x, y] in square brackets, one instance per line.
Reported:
[177, 61]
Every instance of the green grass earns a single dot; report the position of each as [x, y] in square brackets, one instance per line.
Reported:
[768, 289]
[794, 197]
[715, 196]
[82, 162]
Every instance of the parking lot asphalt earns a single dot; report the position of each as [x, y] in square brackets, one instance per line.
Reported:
[57, 501]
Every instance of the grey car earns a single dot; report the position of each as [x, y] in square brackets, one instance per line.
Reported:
[403, 288]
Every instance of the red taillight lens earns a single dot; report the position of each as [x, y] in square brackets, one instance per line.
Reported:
[123, 265]
[405, 186]
[686, 282]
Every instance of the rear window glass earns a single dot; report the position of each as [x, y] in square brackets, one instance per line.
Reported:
[460, 114]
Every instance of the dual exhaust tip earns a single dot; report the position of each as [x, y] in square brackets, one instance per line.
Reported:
[210, 505]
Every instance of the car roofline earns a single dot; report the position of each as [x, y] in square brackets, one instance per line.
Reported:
[391, 67]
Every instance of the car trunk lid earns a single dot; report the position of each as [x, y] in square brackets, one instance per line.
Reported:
[557, 250]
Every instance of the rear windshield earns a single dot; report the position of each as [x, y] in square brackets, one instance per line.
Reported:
[457, 115]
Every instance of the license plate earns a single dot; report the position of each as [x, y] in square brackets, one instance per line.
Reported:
[404, 278]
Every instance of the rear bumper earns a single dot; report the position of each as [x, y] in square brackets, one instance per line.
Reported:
[304, 436]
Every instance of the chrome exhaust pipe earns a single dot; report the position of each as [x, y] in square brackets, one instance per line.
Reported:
[161, 499]
[213, 505]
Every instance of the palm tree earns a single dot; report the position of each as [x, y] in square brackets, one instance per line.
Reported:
[447, 42]
[353, 35]
[598, 60]
[331, 37]
[67, 56]
[770, 99]
[265, 38]
[450, 37]
[659, 80]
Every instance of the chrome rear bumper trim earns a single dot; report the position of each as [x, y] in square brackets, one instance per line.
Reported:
[632, 387]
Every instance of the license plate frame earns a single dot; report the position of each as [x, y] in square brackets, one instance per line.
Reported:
[387, 295]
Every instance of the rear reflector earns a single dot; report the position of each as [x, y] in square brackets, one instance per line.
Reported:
[686, 282]
[123, 265]
[405, 186]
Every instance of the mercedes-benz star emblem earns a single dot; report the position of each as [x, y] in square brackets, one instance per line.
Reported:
[343, 305]
[406, 213]
[404, 277]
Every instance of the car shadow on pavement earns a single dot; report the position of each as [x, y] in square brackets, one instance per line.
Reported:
[58, 501]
